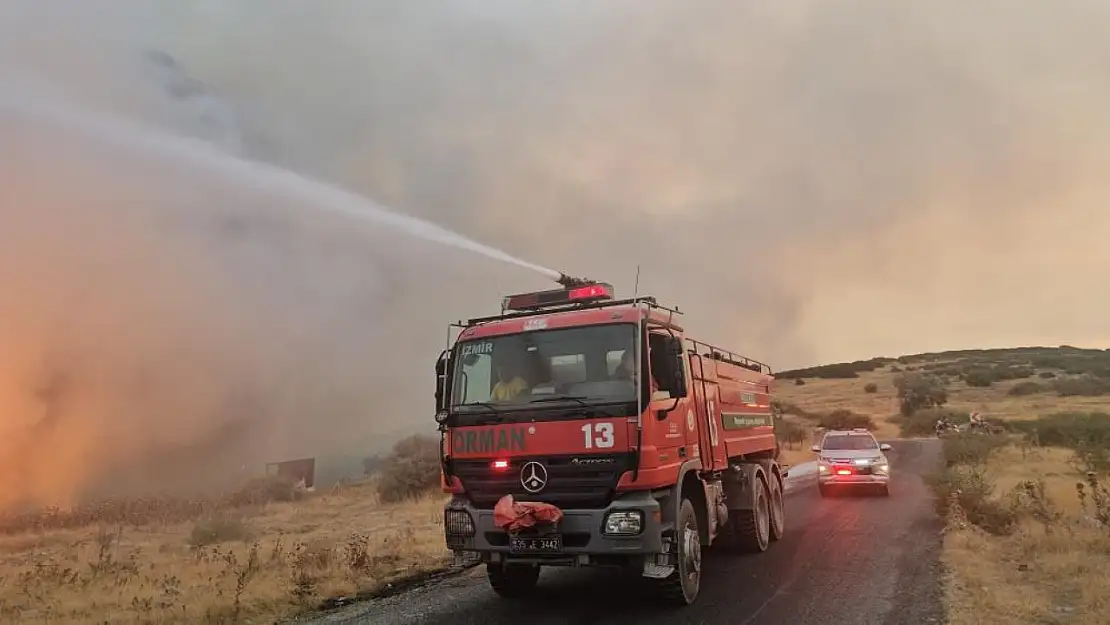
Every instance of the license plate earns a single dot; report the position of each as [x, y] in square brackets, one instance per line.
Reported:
[536, 544]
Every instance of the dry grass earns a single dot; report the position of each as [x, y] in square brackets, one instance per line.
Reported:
[791, 457]
[1055, 572]
[256, 564]
[822, 396]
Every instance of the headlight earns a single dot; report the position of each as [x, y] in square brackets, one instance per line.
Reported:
[883, 468]
[823, 468]
[458, 523]
[624, 523]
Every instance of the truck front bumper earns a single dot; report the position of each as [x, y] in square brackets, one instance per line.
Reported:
[586, 539]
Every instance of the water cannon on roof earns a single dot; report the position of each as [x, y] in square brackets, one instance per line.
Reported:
[570, 282]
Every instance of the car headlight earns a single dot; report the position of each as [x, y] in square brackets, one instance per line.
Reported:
[624, 523]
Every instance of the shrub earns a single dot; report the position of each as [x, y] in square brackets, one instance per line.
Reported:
[1082, 386]
[1046, 375]
[216, 530]
[263, 490]
[979, 378]
[972, 490]
[870, 387]
[971, 449]
[1026, 388]
[845, 420]
[790, 433]
[1081, 431]
[410, 470]
[799, 382]
[1017, 373]
[965, 483]
[841, 370]
[917, 391]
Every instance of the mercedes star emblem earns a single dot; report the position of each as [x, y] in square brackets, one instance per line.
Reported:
[533, 477]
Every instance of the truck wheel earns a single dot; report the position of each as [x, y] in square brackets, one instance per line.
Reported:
[823, 490]
[681, 587]
[778, 508]
[512, 580]
[753, 527]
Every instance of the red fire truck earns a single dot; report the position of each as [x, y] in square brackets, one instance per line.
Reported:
[547, 403]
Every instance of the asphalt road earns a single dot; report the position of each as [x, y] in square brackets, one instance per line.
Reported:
[844, 560]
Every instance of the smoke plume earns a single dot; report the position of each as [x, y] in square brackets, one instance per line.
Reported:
[811, 181]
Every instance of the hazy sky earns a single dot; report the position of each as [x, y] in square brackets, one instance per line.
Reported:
[811, 181]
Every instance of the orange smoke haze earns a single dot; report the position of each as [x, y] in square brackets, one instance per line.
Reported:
[812, 181]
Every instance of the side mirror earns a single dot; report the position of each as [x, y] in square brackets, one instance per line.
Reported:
[815, 449]
[884, 447]
[442, 381]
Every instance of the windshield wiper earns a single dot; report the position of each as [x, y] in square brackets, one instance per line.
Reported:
[484, 404]
[578, 398]
[587, 408]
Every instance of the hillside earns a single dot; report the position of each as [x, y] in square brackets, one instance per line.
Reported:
[268, 551]
[1003, 384]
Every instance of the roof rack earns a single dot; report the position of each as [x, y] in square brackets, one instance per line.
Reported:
[723, 355]
[650, 301]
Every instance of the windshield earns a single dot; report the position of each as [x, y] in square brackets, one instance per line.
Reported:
[848, 442]
[586, 364]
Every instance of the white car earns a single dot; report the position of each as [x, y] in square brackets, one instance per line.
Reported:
[852, 459]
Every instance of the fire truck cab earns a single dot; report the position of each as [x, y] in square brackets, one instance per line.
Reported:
[650, 444]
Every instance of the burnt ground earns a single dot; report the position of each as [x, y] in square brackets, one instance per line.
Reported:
[855, 559]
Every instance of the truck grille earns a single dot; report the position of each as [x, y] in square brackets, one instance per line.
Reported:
[579, 481]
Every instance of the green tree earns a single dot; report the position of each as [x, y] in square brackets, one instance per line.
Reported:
[917, 391]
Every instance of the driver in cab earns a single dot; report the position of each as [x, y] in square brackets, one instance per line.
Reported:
[509, 385]
[627, 370]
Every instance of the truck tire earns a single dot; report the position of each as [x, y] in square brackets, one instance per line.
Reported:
[778, 508]
[681, 587]
[753, 527]
[512, 580]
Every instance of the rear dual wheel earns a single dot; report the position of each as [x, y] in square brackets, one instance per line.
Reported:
[778, 507]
